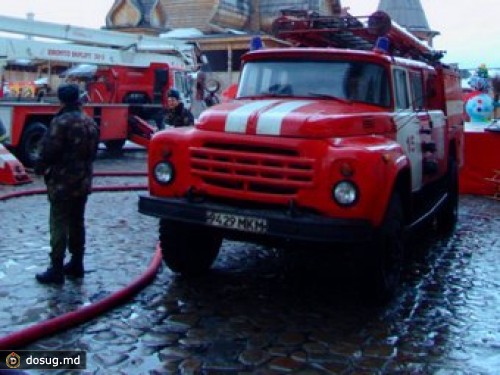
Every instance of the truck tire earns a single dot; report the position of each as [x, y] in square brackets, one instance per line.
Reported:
[115, 146]
[447, 217]
[29, 148]
[188, 249]
[386, 260]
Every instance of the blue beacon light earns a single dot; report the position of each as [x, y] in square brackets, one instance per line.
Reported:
[382, 45]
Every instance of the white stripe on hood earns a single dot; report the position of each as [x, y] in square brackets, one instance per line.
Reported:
[237, 120]
[270, 121]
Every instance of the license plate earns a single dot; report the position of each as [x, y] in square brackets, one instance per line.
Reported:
[238, 222]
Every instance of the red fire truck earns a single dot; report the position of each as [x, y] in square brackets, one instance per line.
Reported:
[125, 88]
[346, 144]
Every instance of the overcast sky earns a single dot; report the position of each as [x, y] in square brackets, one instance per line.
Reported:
[470, 31]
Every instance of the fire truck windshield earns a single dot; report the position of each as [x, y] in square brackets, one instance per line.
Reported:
[351, 81]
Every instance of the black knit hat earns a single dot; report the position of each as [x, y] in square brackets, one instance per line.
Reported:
[68, 93]
[173, 93]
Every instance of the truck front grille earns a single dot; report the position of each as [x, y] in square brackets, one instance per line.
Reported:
[252, 169]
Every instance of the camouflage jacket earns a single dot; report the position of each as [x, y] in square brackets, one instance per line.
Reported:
[179, 116]
[67, 152]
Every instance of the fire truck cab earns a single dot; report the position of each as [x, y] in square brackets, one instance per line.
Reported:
[320, 146]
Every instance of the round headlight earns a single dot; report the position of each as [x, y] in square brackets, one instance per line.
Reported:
[345, 193]
[164, 172]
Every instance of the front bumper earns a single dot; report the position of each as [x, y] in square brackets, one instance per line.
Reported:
[279, 224]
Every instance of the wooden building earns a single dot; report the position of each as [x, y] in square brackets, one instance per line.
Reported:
[209, 16]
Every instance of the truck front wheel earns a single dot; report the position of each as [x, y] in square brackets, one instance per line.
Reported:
[386, 258]
[29, 148]
[115, 146]
[188, 249]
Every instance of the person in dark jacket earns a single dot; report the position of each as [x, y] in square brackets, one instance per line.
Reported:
[177, 115]
[68, 150]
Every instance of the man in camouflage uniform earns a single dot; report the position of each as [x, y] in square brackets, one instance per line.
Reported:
[68, 150]
[177, 115]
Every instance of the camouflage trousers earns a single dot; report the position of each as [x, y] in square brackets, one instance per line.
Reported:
[67, 229]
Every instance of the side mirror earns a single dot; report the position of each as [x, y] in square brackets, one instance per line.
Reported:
[212, 86]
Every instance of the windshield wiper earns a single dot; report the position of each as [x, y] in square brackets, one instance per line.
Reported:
[274, 94]
[330, 96]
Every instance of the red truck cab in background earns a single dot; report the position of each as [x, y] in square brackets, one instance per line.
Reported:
[320, 146]
[127, 103]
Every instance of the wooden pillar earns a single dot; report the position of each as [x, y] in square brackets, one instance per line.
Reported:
[50, 81]
[335, 7]
[229, 64]
[255, 16]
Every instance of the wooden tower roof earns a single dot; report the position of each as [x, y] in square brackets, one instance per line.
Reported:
[411, 15]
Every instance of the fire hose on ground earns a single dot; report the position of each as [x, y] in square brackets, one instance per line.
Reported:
[49, 327]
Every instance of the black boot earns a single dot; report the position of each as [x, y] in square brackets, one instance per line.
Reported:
[74, 268]
[51, 276]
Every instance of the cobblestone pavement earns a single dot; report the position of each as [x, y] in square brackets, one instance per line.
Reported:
[255, 314]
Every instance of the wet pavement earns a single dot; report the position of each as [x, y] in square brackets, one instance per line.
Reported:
[257, 312]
